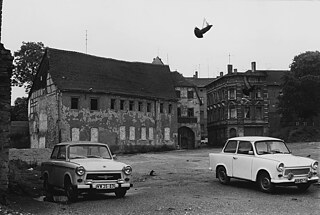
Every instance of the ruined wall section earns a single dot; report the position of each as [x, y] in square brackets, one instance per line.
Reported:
[122, 129]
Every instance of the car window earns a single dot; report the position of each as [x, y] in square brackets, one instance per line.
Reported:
[62, 153]
[90, 151]
[271, 147]
[244, 147]
[231, 147]
[54, 152]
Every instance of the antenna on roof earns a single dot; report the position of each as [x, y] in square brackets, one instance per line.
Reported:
[86, 41]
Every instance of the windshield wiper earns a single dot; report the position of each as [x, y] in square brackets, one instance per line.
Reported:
[93, 156]
[77, 157]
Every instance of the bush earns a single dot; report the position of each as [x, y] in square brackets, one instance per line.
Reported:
[298, 134]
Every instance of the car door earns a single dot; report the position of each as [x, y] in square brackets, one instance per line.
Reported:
[60, 166]
[242, 160]
[227, 158]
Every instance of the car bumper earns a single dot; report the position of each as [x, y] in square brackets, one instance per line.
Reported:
[94, 185]
[295, 180]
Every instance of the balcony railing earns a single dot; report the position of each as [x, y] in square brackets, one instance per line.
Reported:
[187, 120]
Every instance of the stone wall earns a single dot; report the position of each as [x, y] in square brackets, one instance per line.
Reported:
[5, 100]
[30, 156]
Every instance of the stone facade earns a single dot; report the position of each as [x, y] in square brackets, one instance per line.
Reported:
[5, 100]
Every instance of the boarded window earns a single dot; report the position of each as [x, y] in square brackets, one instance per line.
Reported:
[170, 108]
[190, 94]
[149, 107]
[179, 111]
[143, 133]
[161, 107]
[190, 112]
[232, 93]
[75, 134]
[247, 112]
[94, 104]
[74, 103]
[122, 132]
[178, 93]
[232, 114]
[94, 135]
[150, 133]
[112, 104]
[258, 112]
[131, 105]
[140, 106]
[122, 102]
[166, 133]
[132, 133]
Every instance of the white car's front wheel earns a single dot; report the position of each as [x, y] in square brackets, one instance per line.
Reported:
[120, 192]
[71, 191]
[222, 175]
[264, 182]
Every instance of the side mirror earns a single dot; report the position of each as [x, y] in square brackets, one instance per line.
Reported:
[114, 157]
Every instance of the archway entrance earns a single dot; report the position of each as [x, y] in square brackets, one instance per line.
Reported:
[186, 138]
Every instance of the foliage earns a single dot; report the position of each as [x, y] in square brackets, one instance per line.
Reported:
[26, 63]
[301, 86]
[19, 112]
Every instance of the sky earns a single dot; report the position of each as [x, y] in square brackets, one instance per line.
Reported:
[268, 32]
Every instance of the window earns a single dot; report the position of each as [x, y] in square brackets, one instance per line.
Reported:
[132, 135]
[148, 107]
[150, 133]
[179, 111]
[140, 106]
[161, 107]
[202, 100]
[244, 147]
[122, 102]
[170, 108]
[231, 147]
[122, 132]
[75, 133]
[258, 94]
[258, 112]
[112, 104]
[62, 153]
[201, 114]
[94, 104]
[131, 105]
[143, 133]
[74, 103]
[166, 133]
[232, 114]
[190, 112]
[247, 112]
[178, 93]
[232, 93]
[190, 94]
[55, 152]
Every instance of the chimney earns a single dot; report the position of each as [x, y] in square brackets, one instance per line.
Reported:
[195, 74]
[229, 68]
[253, 66]
[221, 74]
[235, 71]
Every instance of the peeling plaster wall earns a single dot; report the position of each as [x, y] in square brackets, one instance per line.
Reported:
[122, 130]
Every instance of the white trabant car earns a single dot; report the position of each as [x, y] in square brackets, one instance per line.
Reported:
[264, 160]
[84, 167]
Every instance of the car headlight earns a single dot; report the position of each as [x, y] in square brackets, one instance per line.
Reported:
[280, 167]
[315, 165]
[127, 170]
[80, 170]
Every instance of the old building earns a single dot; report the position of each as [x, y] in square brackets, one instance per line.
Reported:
[129, 105]
[201, 84]
[240, 104]
[188, 111]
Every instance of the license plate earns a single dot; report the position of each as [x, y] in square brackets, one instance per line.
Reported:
[105, 186]
[300, 180]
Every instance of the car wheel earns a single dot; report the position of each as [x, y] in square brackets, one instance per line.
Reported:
[303, 187]
[48, 190]
[222, 175]
[264, 182]
[71, 191]
[120, 192]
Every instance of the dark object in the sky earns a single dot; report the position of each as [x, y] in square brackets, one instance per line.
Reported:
[200, 32]
[248, 88]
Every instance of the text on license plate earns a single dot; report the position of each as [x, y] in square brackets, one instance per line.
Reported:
[300, 180]
[105, 186]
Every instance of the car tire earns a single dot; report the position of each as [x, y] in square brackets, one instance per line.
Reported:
[222, 175]
[303, 187]
[48, 190]
[264, 183]
[120, 192]
[70, 191]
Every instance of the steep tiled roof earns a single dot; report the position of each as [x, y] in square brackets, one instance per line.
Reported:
[77, 71]
[200, 82]
[180, 81]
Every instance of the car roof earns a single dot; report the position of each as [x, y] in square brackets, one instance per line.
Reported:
[254, 138]
[80, 143]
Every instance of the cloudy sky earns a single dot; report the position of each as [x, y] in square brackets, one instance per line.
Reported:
[269, 32]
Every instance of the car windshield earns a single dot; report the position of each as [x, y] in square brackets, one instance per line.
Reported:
[88, 151]
[271, 147]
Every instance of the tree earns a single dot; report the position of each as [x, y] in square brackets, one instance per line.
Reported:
[26, 63]
[19, 112]
[301, 86]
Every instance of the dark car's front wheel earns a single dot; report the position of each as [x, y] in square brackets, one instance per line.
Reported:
[48, 189]
[120, 192]
[71, 191]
